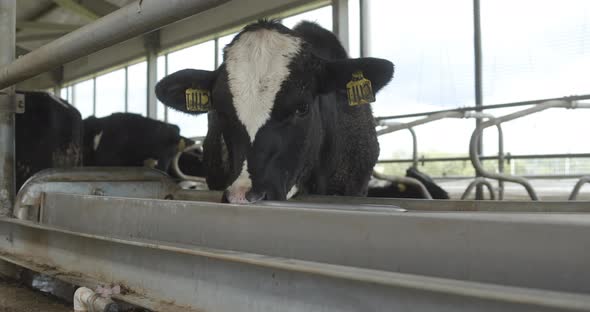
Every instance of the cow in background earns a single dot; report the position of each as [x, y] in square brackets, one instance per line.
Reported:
[385, 188]
[290, 108]
[48, 135]
[132, 140]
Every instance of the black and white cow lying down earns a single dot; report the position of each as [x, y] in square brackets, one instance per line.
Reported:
[279, 105]
[385, 188]
[126, 139]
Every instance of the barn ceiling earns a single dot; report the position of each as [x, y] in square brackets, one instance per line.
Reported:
[41, 21]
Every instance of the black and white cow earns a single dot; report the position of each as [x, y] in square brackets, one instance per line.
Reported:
[126, 139]
[279, 105]
[385, 188]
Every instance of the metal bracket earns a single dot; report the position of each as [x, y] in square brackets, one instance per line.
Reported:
[14, 104]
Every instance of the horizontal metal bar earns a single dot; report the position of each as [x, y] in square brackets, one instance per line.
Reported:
[25, 37]
[133, 20]
[411, 204]
[507, 157]
[486, 107]
[527, 176]
[208, 279]
[466, 245]
[46, 26]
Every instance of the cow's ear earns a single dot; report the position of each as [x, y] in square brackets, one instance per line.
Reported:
[187, 90]
[337, 74]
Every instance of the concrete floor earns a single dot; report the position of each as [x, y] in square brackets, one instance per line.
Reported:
[16, 298]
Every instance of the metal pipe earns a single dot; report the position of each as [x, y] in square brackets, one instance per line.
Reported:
[7, 108]
[528, 111]
[578, 186]
[478, 79]
[130, 21]
[507, 157]
[475, 137]
[480, 116]
[479, 181]
[87, 300]
[179, 172]
[474, 155]
[365, 28]
[414, 141]
[395, 126]
[485, 107]
[500, 160]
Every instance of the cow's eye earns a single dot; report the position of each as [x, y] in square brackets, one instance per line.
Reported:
[302, 109]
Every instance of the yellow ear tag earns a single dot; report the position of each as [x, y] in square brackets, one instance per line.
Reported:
[359, 90]
[197, 100]
[402, 187]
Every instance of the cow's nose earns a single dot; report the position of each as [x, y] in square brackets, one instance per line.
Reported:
[253, 197]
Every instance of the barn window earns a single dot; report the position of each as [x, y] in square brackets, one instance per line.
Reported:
[110, 93]
[137, 88]
[536, 54]
[162, 72]
[83, 97]
[434, 70]
[322, 16]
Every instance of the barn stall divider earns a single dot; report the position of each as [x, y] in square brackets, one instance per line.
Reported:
[171, 249]
[389, 125]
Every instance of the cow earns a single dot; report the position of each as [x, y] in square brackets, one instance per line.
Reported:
[47, 135]
[391, 189]
[127, 139]
[286, 113]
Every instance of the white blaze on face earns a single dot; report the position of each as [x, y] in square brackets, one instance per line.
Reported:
[257, 64]
[97, 140]
[237, 191]
[292, 192]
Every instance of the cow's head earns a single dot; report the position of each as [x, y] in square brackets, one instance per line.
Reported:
[265, 102]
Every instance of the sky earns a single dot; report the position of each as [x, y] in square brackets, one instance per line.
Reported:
[532, 49]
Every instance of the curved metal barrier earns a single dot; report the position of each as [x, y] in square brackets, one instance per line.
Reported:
[179, 172]
[578, 187]
[392, 126]
[476, 136]
[476, 182]
[176, 168]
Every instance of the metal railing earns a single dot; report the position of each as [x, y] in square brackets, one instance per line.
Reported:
[474, 157]
[476, 136]
[392, 126]
[485, 107]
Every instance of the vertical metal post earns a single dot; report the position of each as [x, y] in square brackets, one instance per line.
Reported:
[478, 79]
[126, 89]
[364, 6]
[93, 96]
[217, 56]
[166, 73]
[7, 108]
[152, 46]
[340, 22]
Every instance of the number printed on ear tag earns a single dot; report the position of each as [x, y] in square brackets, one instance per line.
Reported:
[359, 90]
[197, 100]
